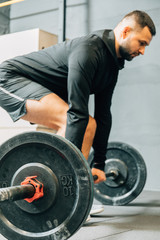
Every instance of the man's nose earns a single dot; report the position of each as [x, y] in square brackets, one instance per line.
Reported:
[142, 50]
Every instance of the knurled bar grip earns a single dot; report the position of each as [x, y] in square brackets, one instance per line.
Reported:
[16, 192]
[112, 173]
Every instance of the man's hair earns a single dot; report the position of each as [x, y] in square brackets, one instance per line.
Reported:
[143, 19]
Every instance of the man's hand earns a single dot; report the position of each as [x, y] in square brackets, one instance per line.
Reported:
[100, 174]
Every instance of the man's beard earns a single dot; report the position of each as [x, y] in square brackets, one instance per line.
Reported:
[124, 52]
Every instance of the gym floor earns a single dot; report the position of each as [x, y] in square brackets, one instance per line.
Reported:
[138, 220]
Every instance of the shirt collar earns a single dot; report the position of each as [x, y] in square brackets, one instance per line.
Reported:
[109, 39]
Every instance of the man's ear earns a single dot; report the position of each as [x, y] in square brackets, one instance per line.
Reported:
[125, 32]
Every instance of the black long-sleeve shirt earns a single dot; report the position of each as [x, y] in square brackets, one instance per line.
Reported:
[75, 69]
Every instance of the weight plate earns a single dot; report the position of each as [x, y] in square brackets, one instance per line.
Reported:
[131, 180]
[74, 188]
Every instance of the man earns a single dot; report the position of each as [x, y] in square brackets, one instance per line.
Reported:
[52, 86]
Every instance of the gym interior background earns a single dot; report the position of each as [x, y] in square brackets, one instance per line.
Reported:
[136, 100]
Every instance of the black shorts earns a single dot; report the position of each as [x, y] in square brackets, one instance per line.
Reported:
[15, 90]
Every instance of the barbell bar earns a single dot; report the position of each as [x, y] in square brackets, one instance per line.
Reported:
[16, 193]
[113, 173]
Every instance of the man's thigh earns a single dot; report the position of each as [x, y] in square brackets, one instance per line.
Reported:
[50, 111]
[15, 90]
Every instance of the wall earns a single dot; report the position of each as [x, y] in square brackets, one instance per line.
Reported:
[44, 15]
[136, 100]
[4, 19]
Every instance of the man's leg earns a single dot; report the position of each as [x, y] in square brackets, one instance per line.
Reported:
[51, 111]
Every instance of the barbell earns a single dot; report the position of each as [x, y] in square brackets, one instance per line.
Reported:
[46, 186]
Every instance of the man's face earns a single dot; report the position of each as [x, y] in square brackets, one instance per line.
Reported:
[134, 43]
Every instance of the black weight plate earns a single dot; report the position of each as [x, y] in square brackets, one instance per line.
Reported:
[125, 190]
[74, 194]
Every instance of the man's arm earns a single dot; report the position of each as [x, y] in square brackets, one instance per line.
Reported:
[82, 67]
[104, 121]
